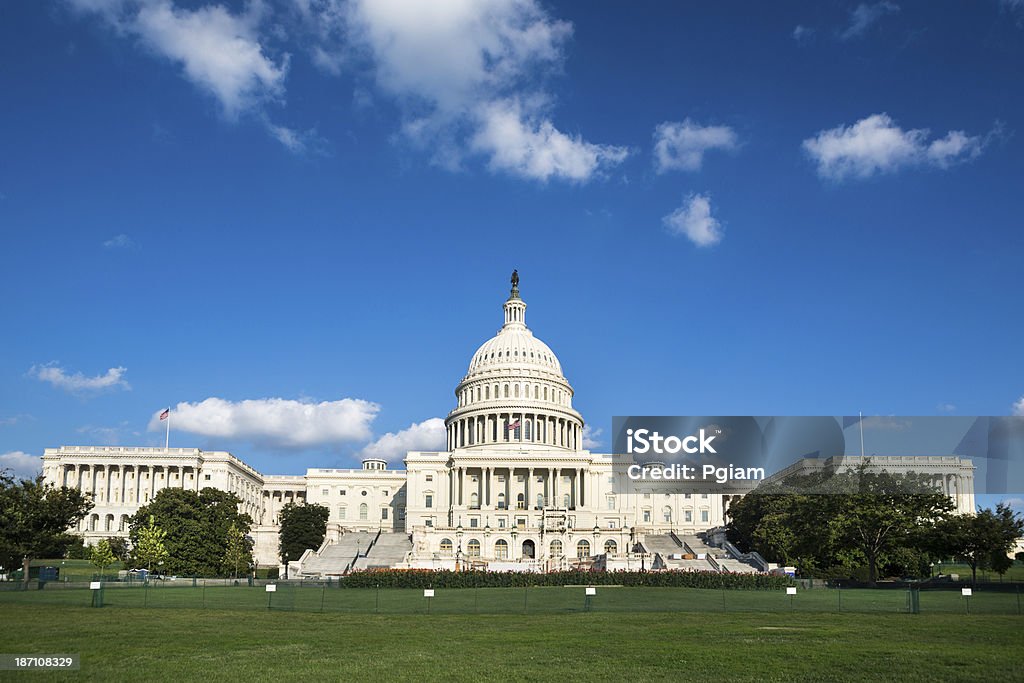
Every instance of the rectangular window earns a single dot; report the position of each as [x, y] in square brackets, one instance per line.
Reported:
[326, 492]
[384, 493]
[206, 477]
[341, 512]
[704, 496]
[611, 524]
[474, 523]
[689, 516]
[688, 496]
[611, 502]
[383, 513]
[703, 515]
[430, 521]
[401, 514]
[429, 501]
[647, 515]
[430, 477]
[501, 522]
[341, 492]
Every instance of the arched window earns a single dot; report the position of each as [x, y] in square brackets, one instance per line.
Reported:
[540, 500]
[487, 392]
[473, 548]
[342, 512]
[501, 501]
[506, 391]
[520, 502]
[517, 390]
[666, 512]
[364, 511]
[556, 548]
[93, 522]
[611, 547]
[528, 430]
[501, 549]
[474, 500]
[109, 523]
[124, 523]
[583, 549]
[545, 393]
[446, 546]
[526, 390]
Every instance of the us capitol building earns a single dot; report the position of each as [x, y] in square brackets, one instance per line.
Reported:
[514, 490]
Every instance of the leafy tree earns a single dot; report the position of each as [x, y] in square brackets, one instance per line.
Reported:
[302, 527]
[239, 551]
[119, 546]
[102, 556]
[149, 544]
[196, 526]
[35, 518]
[828, 523]
[984, 539]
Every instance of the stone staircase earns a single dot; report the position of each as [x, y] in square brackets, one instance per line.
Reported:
[387, 551]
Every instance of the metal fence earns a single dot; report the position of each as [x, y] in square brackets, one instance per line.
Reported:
[329, 596]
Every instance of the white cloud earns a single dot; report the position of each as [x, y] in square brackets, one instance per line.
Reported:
[681, 145]
[78, 382]
[946, 408]
[1018, 407]
[590, 435]
[121, 241]
[106, 436]
[876, 144]
[467, 75]
[864, 16]
[276, 422]
[536, 149]
[21, 465]
[219, 51]
[694, 220]
[428, 435]
[802, 33]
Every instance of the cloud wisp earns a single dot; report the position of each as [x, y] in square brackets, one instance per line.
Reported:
[77, 382]
[694, 221]
[680, 146]
[877, 145]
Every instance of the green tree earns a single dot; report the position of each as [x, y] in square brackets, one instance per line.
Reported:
[302, 527]
[119, 546]
[196, 526]
[983, 540]
[238, 553]
[35, 518]
[102, 556]
[149, 544]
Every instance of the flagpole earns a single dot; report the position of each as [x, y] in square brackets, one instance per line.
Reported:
[167, 438]
[860, 423]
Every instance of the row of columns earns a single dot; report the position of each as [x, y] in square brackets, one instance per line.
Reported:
[112, 483]
[275, 499]
[533, 428]
[461, 487]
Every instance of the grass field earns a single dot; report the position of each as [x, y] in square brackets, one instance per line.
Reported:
[257, 645]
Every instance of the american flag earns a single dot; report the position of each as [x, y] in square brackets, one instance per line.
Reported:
[513, 425]
[166, 414]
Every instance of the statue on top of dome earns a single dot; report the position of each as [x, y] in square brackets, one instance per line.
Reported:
[515, 278]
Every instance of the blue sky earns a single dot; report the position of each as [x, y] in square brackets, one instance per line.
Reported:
[297, 218]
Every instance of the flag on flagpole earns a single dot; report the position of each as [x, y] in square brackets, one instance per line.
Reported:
[166, 414]
[513, 425]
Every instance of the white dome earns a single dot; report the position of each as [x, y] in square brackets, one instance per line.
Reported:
[514, 347]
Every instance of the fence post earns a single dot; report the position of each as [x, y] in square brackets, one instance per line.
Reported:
[526, 595]
[323, 594]
[839, 586]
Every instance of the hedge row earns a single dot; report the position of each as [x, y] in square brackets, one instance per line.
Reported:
[423, 578]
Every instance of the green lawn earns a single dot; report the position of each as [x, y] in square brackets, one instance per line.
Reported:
[255, 645]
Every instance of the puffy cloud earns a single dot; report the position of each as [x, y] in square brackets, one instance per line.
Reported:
[219, 51]
[275, 422]
[21, 465]
[428, 435]
[864, 16]
[876, 144]
[694, 220]
[590, 437]
[1018, 407]
[681, 145]
[77, 382]
[121, 241]
[536, 149]
[467, 74]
